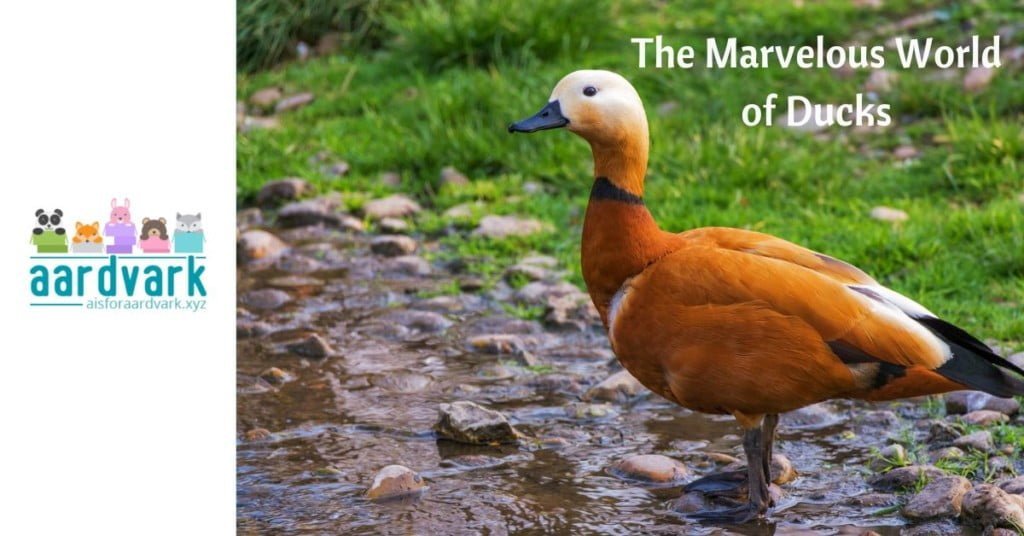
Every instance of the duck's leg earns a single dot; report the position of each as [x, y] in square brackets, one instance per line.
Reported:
[733, 484]
[768, 428]
[757, 478]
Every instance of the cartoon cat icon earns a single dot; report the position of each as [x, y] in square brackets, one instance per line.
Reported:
[188, 233]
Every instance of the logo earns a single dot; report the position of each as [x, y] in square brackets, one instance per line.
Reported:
[118, 264]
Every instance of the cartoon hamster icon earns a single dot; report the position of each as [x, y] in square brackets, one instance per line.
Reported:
[154, 237]
[49, 236]
[188, 233]
[87, 238]
[120, 228]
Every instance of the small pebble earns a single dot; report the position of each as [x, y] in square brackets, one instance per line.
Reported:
[395, 481]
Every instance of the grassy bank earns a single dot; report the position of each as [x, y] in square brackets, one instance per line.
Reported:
[446, 81]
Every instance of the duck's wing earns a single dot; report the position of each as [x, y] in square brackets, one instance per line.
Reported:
[866, 325]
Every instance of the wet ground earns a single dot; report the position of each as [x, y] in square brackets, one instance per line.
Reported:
[398, 350]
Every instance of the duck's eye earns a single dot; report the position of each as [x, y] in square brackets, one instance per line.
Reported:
[590, 91]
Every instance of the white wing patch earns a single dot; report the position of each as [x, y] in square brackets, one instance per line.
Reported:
[901, 310]
[616, 307]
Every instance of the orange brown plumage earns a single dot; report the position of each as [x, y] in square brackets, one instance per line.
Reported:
[732, 321]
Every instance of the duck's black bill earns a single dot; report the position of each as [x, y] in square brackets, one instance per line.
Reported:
[547, 118]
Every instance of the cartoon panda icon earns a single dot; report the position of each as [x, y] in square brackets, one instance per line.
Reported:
[49, 236]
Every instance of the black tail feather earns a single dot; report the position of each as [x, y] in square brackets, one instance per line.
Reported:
[974, 364]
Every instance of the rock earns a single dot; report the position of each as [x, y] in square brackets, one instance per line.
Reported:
[275, 376]
[266, 97]
[881, 418]
[421, 321]
[905, 152]
[504, 344]
[298, 264]
[945, 453]
[468, 422]
[1013, 486]
[959, 402]
[392, 206]
[452, 176]
[888, 214]
[618, 387]
[392, 245]
[286, 189]
[942, 432]
[393, 225]
[321, 210]
[540, 293]
[874, 499]
[905, 477]
[891, 456]
[653, 468]
[811, 417]
[941, 497]
[1001, 465]
[259, 245]
[391, 178]
[471, 284]
[403, 381]
[462, 211]
[304, 285]
[412, 265]
[980, 441]
[266, 299]
[293, 102]
[505, 226]
[939, 527]
[338, 169]
[978, 78]
[248, 218]
[531, 268]
[984, 417]
[245, 328]
[395, 481]
[257, 434]
[250, 123]
[782, 471]
[1001, 532]
[314, 346]
[990, 506]
[587, 411]
[496, 343]
[351, 223]
[574, 311]
[1018, 358]
[880, 81]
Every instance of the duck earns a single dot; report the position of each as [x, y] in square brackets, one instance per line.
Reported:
[730, 321]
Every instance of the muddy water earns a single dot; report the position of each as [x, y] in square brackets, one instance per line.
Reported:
[337, 420]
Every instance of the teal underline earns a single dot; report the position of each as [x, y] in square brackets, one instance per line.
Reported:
[125, 257]
[56, 304]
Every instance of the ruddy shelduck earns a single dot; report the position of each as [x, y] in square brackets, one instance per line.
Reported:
[730, 321]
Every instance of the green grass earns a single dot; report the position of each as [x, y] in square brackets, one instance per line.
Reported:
[445, 84]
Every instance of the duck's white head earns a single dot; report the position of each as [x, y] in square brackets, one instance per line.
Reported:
[600, 106]
[603, 108]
